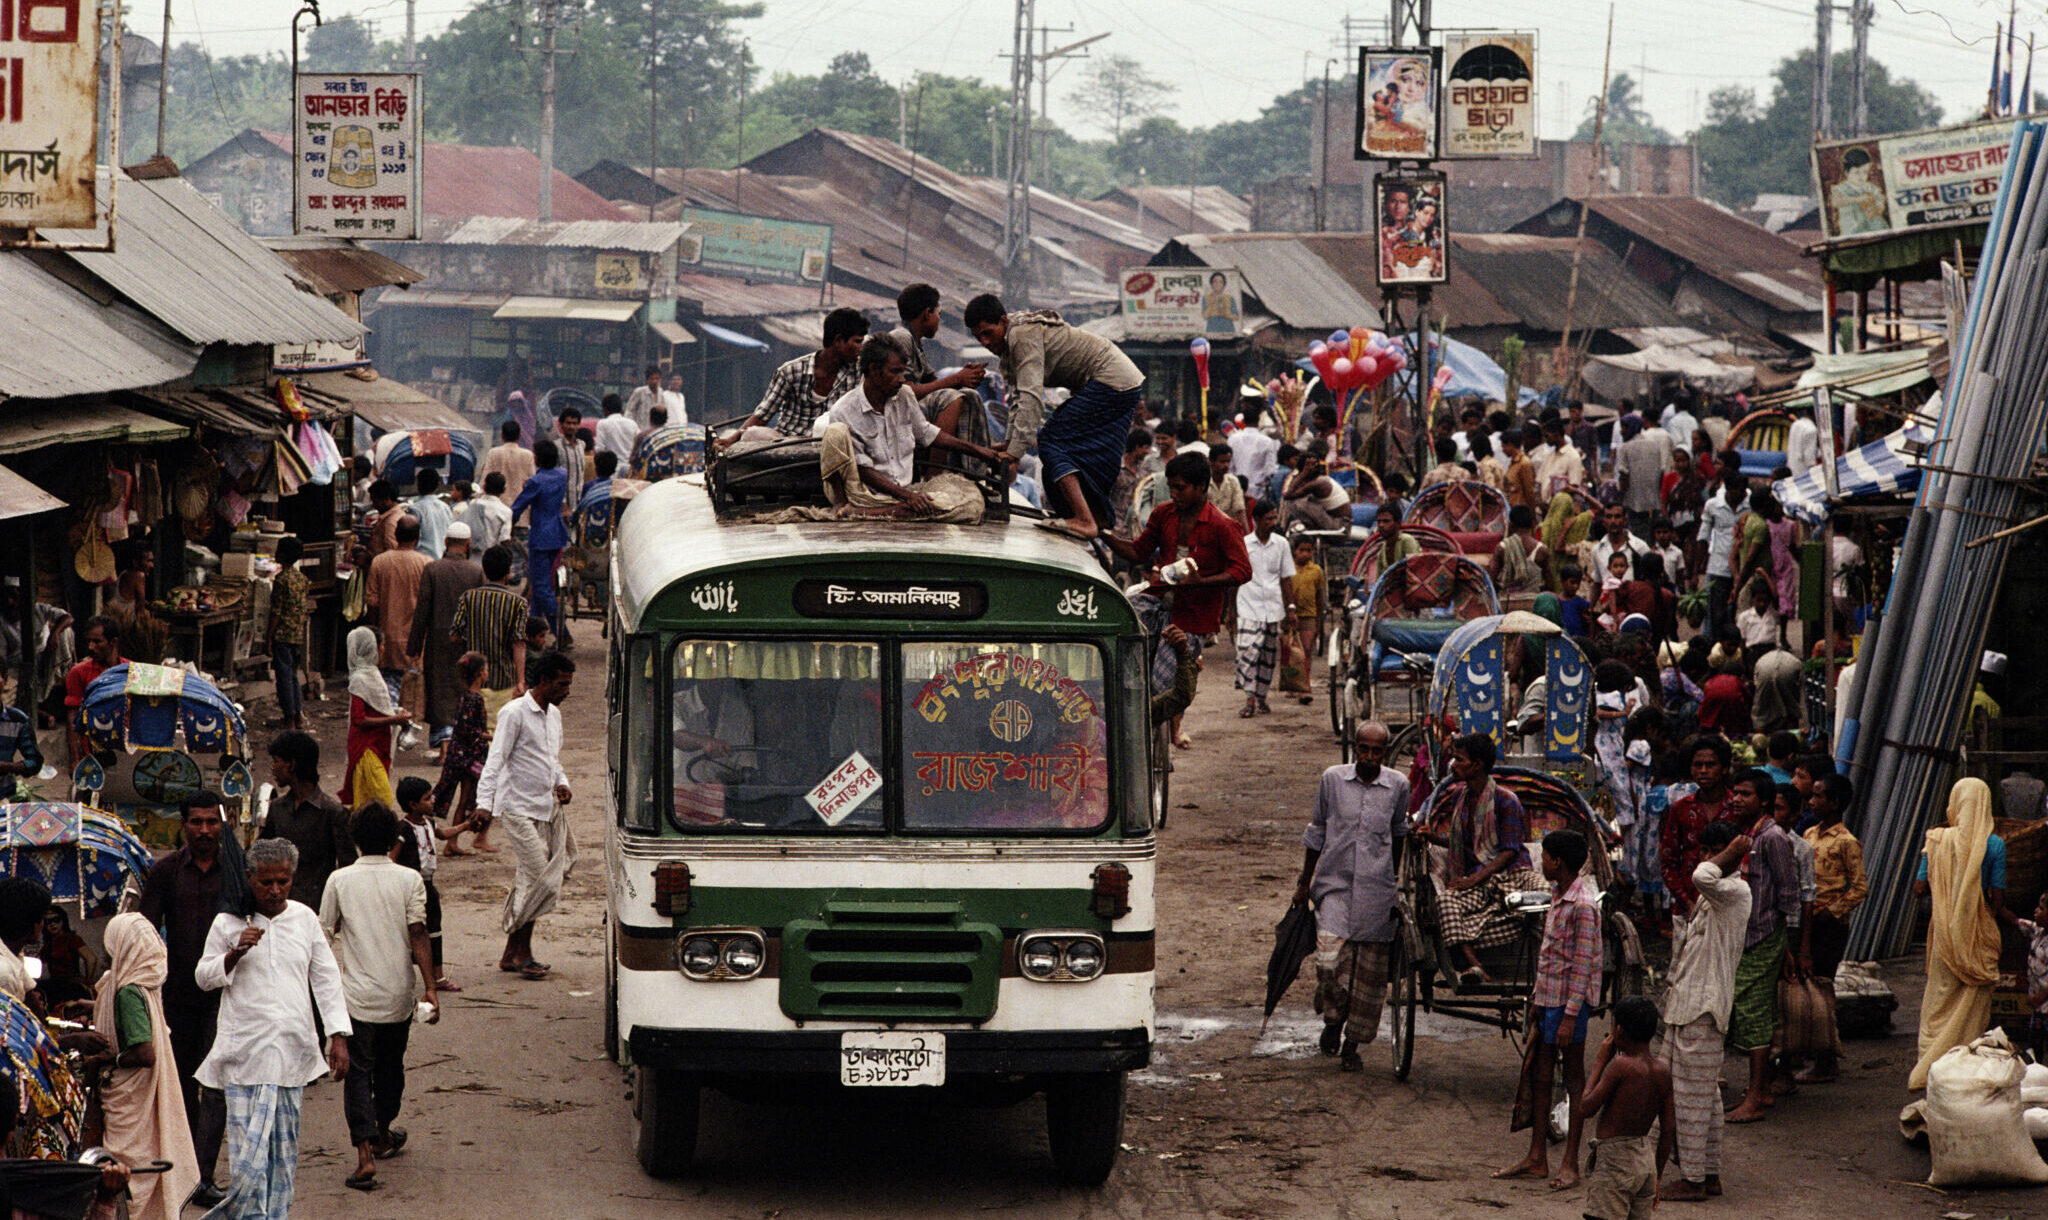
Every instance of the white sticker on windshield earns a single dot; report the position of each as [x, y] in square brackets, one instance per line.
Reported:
[843, 791]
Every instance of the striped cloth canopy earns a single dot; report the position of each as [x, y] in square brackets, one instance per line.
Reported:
[1879, 468]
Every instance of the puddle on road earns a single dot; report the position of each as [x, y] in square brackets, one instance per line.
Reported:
[1290, 1035]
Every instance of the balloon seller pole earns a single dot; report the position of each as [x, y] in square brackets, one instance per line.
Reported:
[1199, 349]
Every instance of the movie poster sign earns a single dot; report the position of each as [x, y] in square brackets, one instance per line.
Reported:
[49, 113]
[1912, 182]
[1410, 223]
[1489, 94]
[356, 155]
[1182, 302]
[1397, 103]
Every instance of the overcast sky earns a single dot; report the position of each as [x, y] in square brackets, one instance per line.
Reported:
[1228, 58]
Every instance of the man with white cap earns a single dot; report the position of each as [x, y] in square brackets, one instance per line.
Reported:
[442, 584]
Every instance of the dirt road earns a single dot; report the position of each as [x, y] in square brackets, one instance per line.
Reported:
[512, 1107]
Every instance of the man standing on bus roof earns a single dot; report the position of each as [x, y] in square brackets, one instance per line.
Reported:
[1347, 870]
[869, 448]
[1081, 443]
[806, 387]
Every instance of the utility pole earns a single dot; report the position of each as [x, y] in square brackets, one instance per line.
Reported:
[1045, 70]
[1823, 69]
[1408, 25]
[653, 107]
[1017, 191]
[549, 15]
[412, 63]
[1860, 14]
[739, 167]
[163, 76]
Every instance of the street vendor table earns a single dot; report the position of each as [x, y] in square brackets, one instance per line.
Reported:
[193, 626]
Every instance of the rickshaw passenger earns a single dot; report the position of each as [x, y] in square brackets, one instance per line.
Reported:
[1485, 833]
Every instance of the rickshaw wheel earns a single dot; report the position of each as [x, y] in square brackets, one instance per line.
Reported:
[1406, 997]
[1401, 750]
[1340, 668]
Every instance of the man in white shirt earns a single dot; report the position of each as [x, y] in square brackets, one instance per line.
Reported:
[1614, 521]
[1263, 610]
[1254, 456]
[271, 968]
[615, 432]
[1558, 463]
[870, 436]
[524, 785]
[512, 460]
[1680, 422]
[1697, 1003]
[1802, 445]
[376, 911]
[645, 398]
[488, 517]
[672, 398]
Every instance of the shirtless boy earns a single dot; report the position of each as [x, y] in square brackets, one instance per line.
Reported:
[1630, 1090]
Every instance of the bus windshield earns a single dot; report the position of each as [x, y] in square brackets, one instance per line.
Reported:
[780, 735]
[1003, 736]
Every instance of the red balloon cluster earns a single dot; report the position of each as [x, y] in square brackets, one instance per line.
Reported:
[1359, 358]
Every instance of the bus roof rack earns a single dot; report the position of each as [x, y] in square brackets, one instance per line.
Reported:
[779, 474]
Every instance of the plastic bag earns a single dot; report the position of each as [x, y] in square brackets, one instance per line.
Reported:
[1976, 1124]
[2037, 1124]
[1806, 1019]
[2034, 1086]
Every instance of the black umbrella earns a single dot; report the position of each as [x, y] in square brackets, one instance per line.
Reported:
[1293, 941]
[1490, 61]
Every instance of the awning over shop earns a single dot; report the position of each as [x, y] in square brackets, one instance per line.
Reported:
[438, 298]
[797, 330]
[390, 405]
[24, 427]
[1888, 466]
[571, 309]
[1868, 374]
[21, 498]
[733, 337]
[672, 332]
[250, 410]
[1635, 374]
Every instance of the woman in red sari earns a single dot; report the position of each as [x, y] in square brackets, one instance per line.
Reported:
[372, 714]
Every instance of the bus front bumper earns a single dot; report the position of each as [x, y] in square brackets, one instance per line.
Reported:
[969, 1052]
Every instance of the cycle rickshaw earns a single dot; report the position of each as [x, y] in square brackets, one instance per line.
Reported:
[1390, 644]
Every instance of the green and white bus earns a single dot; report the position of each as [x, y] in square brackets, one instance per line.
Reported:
[881, 815]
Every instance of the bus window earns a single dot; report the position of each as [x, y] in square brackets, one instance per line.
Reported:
[638, 683]
[1004, 737]
[779, 735]
[1134, 700]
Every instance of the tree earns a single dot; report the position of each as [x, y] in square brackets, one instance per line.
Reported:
[1117, 87]
[344, 44]
[1626, 121]
[848, 96]
[1241, 154]
[1746, 148]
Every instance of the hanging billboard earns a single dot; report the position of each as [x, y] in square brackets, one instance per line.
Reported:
[49, 113]
[754, 247]
[1397, 103]
[356, 155]
[1489, 94]
[1911, 182]
[1182, 302]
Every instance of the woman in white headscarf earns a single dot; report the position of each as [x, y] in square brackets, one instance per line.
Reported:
[371, 717]
[1964, 873]
[144, 1107]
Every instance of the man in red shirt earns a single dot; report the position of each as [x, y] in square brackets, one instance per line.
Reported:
[1679, 845]
[102, 644]
[1188, 526]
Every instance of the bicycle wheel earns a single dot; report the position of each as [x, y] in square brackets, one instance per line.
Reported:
[1404, 997]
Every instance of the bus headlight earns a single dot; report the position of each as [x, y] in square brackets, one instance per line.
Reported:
[722, 954]
[1060, 957]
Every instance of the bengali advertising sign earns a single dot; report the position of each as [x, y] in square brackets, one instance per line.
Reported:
[356, 155]
[49, 113]
[1911, 182]
[1489, 107]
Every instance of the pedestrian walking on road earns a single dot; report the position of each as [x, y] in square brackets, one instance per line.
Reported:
[1697, 1003]
[442, 584]
[271, 966]
[376, 911]
[1351, 848]
[523, 782]
[1264, 613]
[145, 1115]
[314, 822]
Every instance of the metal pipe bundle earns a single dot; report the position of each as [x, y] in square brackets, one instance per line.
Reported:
[1915, 680]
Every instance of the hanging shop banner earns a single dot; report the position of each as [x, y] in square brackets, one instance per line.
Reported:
[1489, 94]
[1182, 302]
[1911, 182]
[49, 113]
[356, 155]
[755, 247]
[1397, 103]
[1411, 226]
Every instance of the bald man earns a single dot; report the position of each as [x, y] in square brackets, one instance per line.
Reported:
[1347, 870]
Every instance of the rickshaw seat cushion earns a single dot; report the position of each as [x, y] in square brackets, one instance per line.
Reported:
[1414, 634]
[1483, 543]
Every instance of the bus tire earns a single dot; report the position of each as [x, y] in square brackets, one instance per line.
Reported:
[665, 1103]
[1084, 1123]
[611, 993]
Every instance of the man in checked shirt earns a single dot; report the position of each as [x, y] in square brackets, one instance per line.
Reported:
[1567, 990]
[801, 390]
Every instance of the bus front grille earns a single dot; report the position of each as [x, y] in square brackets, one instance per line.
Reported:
[905, 961]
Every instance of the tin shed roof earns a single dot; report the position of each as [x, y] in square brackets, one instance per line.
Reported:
[1293, 282]
[57, 341]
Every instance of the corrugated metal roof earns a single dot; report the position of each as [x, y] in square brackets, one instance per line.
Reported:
[250, 410]
[1460, 300]
[1166, 211]
[332, 266]
[181, 259]
[55, 341]
[442, 298]
[390, 405]
[718, 296]
[21, 498]
[464, 180]
[570, 308]
[1531, 278]
[1746, 257]
[1291, 281]
[26, 426]
[639, 236]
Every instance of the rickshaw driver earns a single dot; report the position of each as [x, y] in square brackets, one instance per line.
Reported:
[1486, 856]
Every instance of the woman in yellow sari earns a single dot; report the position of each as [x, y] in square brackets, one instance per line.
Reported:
[371, 718]
[1564, 528]
[1963, 870]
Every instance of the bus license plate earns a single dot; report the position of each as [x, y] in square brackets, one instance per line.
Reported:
[889, 1058]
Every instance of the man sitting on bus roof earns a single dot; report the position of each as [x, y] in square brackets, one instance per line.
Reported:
[949, 401]
[869, 451]
[1082, 442]
[804, 388]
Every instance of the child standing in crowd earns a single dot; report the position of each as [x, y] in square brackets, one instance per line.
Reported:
[418, 849]
[1309, 595]
[1631, 1092]
[540, 641]
[1566, 992]
[1576, 610]
[1610, 590]
[464, 761]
